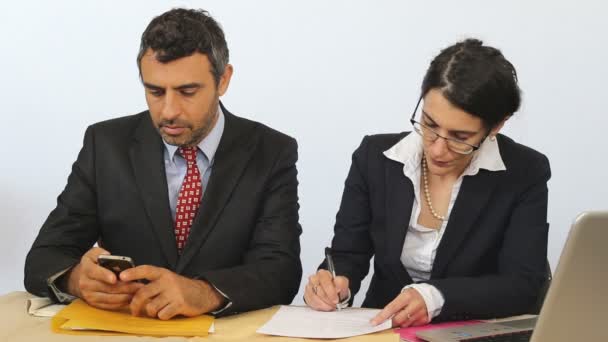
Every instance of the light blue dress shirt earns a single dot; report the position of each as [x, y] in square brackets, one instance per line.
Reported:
[176, 166]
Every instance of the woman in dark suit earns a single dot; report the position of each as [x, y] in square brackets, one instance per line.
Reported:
[455, 214]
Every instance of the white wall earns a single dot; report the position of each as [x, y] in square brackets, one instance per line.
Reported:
[325, 72]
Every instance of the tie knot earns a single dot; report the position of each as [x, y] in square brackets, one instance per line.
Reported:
[189, 153]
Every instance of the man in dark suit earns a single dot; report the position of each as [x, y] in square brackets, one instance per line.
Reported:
[204, 201]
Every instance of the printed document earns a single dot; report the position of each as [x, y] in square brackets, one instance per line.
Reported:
[304, 322]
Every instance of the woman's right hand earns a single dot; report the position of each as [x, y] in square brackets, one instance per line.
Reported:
[323, 293]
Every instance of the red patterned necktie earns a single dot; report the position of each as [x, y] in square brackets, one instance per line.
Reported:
[188, 199]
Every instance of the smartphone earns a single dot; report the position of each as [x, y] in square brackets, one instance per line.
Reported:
[115, 263]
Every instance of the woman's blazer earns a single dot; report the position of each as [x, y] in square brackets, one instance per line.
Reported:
[492, 259]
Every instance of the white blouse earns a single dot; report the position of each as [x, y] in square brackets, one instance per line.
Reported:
[420, 245]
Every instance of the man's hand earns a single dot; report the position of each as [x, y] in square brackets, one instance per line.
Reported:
[169, 294]
[323, 292]
[98, 286]
[408, 309]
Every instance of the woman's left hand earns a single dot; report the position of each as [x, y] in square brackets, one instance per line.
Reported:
[408, 309]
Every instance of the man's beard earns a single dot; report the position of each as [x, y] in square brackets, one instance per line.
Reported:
[196, 135]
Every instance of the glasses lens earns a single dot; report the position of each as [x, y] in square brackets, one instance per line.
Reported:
[459, 147]
[430, 136]
[425, 132]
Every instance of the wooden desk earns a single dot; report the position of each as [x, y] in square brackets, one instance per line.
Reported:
[16, 326]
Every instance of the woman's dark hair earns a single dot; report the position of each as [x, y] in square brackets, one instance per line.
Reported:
[477, 79]
[181, 32]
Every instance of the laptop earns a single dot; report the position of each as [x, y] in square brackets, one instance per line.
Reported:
[576, 305]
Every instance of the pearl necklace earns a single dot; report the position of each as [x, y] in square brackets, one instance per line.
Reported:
[427, 195]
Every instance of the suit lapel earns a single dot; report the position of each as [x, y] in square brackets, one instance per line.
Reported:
[233, 154]
[474, 194]
[146, 154]
[399, 201]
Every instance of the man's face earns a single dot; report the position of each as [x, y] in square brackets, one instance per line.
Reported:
[182, 96]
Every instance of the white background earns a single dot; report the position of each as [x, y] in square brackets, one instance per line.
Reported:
[325, 72]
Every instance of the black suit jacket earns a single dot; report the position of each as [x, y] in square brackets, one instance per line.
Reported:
[491, 261]
[244, 239]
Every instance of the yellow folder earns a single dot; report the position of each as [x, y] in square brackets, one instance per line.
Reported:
[82, 319]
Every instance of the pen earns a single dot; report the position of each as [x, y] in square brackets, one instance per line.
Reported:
[332, 270]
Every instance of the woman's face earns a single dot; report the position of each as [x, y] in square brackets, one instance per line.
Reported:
[450, 122]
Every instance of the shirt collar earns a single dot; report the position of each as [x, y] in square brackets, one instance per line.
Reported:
[408, 151]
[208, 145]
[487, 157]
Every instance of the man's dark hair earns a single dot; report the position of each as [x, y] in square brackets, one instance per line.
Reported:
[477, 79]
[181, 32]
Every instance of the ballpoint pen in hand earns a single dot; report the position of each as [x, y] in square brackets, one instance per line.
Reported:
[332, 270]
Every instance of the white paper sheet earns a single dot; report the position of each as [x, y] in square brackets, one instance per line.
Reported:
[42, 307]
[299, 321]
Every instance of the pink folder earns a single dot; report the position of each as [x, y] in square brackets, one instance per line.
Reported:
[409, 334]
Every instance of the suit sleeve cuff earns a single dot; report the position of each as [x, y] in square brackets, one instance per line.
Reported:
[433, 298]
[227, 306]
[56, 293]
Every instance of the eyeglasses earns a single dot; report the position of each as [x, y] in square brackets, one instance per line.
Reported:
[428, 134]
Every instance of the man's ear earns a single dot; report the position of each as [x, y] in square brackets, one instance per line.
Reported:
[225, 79]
